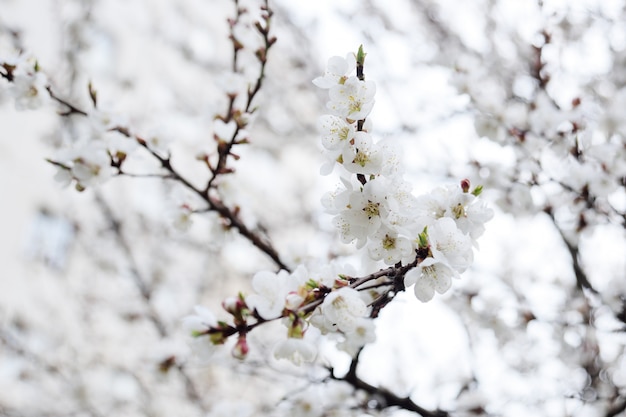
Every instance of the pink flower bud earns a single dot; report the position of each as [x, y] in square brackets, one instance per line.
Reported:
[240, 351]
[465, 185]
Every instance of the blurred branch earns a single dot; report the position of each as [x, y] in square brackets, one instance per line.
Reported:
[214, 203]
[384, 398]
[617, 409]
[72, 109]
[224, 147]
[145, 292]
[72, 379]
[582, 281]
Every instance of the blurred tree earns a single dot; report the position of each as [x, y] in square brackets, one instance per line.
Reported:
[156, 102]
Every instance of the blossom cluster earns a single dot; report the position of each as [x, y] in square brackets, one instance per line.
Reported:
[374, 206]
[555, 139]
[99, 143]
[430, 238]
[27, 84]
[303, 299]
[86, 159]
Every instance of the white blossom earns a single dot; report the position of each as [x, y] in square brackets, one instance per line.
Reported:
[436, 203]
[232, 83]
[342, 308]
[271, 291]
[29, 90]
[63, 176]
[295, 350]
[91, 170]
[181, 217]
[430, 276]
[89, 165]
[364, 212]
[336, 132]
[449, 244]
[102, 121]
[468, 211]
[337, 71]
[245, 32]
[473, 221]
[362, 155]
[390, 247]
[363, 332]
[354, 99]
[201, 321]
[306, 404]
[323, 273]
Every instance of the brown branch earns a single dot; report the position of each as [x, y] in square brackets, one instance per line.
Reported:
[617, 409]
[72, 109]
[214, 204]
[382, 397]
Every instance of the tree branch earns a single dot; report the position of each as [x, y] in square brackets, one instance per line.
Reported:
[214, 203]
[616, 409]
[582, 282]
[384, 398]
[232, 114]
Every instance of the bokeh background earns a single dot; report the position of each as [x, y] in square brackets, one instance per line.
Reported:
[526, 98]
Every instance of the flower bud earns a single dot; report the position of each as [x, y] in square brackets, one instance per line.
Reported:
[422, 239]
[237, 307]
[477, 190]
[465, 185]
[217, 335]
[240, 351]
[297, 328]
[232, 305]
[293, 300]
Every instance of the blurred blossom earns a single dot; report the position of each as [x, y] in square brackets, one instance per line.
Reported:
[29, 91]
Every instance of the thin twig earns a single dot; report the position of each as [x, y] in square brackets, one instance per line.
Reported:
[225, 146]
[72, 109]
[213, 202]
[582, 282]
